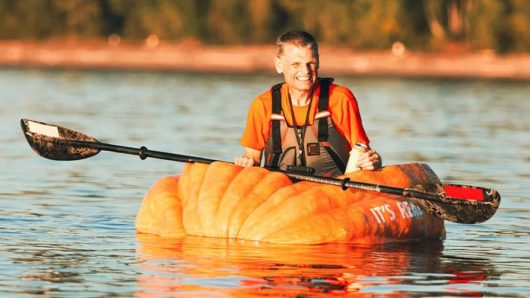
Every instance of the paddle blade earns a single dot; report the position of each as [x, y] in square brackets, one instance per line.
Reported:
[461, 203]
[57, 143]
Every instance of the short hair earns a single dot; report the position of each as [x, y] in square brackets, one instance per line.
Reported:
[298, 38]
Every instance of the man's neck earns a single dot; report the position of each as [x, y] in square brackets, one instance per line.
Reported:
[300, 98]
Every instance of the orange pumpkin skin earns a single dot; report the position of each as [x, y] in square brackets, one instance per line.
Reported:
[189, 187]
[161, 210]
[256, 204]
[241, 187]
[217, 179]
[327, 214]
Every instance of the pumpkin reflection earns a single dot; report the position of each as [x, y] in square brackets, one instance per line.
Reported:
[199, 266]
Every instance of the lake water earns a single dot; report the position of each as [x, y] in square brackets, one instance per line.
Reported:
[67, 228]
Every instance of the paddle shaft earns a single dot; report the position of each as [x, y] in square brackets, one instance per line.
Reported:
[142, 152]
[404, 192]
[345, 183]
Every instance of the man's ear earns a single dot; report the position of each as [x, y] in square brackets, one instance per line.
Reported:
[278, 64]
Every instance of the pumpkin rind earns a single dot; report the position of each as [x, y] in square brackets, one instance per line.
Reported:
[217, 179]
[190, 185]
[227, 201]
[242, 186]
[161, 210]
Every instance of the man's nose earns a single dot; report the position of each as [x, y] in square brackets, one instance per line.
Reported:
[308, 68]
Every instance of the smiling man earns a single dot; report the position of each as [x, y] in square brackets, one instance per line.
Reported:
[305, 124]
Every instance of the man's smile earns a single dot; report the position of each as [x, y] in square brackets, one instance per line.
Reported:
[303, 78]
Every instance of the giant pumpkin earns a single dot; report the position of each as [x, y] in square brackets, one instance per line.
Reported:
[227, 201]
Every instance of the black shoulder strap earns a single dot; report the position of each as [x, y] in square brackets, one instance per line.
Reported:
[323, 105]
[276, 133]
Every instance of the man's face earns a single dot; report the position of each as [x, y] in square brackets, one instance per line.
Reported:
[299, 66]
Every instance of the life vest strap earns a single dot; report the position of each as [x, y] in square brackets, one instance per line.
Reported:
[276, 133]
[323, 106]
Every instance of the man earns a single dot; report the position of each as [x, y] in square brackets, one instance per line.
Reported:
[305, 124]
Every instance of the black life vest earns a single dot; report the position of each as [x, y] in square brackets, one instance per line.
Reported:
[313, 149]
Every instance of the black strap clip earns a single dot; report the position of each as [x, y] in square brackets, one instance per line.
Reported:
[300, 170]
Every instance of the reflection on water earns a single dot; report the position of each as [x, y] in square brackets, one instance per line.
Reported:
[216, 265]
[67, 228]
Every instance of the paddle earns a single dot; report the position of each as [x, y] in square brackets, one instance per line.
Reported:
[457, 203]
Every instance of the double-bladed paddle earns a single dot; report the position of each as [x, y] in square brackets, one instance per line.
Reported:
[456, 203]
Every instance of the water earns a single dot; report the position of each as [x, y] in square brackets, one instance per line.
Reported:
[67, 228]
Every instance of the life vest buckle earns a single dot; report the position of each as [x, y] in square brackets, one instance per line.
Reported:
[300, 170]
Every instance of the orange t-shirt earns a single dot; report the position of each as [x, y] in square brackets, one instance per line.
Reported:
[343, 109]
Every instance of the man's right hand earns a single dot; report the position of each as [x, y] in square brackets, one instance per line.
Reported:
[244, 161]
[251, 157]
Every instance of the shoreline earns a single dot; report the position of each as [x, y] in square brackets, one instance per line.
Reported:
[257, 59]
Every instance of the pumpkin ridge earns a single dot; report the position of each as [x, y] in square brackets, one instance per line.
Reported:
[294, 209]
[261, 192]
[216, 181]
[184, 183]
[239, 187]
[190, 217]
[161, 196]
[261, 215]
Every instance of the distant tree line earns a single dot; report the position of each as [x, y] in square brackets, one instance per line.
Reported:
[501, 25]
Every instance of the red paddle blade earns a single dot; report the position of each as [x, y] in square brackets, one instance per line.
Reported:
[467, 192]
[461, 203]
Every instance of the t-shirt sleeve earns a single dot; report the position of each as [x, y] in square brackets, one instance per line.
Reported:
[255, 133]
[346, 116]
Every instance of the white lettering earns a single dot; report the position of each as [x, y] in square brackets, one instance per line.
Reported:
[375, 215]
[389, 210]
[402, 209]
[380, 212]
[383, 212]
[409, 209]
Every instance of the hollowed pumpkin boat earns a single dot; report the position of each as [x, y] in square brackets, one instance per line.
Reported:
[227, 201]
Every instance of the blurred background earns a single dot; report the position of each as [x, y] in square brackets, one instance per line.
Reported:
[501, 26]
[442, 38]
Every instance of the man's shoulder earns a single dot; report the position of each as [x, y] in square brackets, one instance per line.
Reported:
[340, 92]
[339, 89]
[265, 98]
[262, 102]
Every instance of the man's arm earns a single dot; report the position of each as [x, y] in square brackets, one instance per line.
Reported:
[251, 157]
[348, 121]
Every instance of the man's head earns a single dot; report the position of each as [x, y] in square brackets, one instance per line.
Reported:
[297, 38]
[297, 58]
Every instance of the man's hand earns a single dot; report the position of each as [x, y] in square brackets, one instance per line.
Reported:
[244, 161]
[369, 160]
[251, 157]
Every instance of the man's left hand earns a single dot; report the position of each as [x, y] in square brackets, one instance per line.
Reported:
[369, 160]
